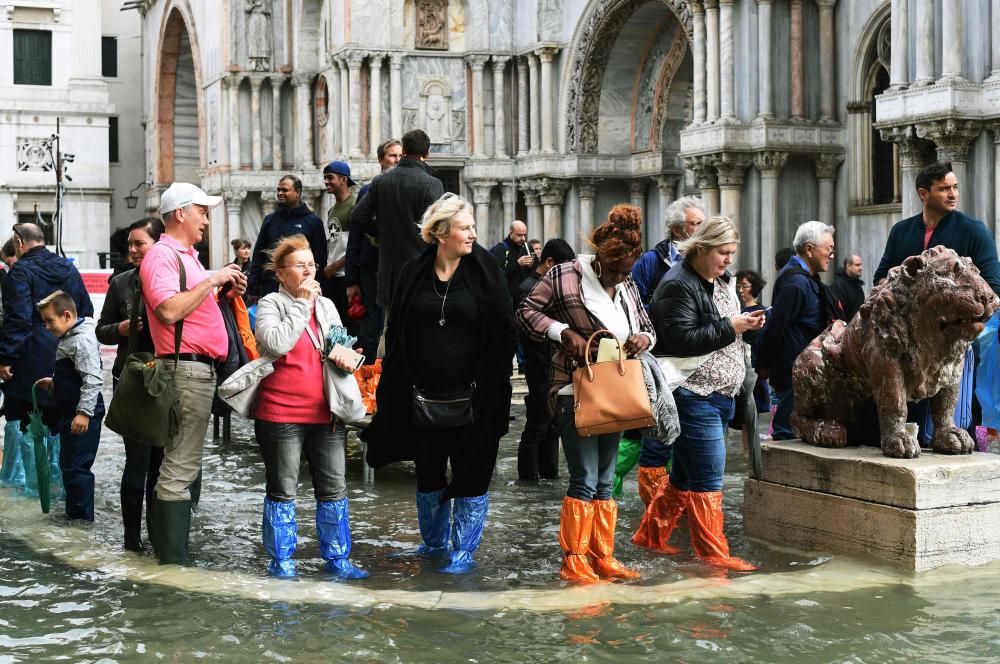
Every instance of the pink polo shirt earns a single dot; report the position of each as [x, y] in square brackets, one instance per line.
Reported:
[204, 331]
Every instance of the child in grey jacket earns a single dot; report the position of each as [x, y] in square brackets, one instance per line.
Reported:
[77, 386]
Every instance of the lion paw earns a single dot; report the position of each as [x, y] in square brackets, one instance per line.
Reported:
[900, 445]
[952, 440]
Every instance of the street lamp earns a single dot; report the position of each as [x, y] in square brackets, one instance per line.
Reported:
[132, 200]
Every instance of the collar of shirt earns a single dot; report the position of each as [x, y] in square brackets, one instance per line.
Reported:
[798, 259]
[175, 244]
[674, 254]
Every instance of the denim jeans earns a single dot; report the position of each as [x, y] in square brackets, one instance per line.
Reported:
[783, 414]
[590, 459]
[77, 452]
[282, 445]
[699, 452]
[195, 384]
[654, 454]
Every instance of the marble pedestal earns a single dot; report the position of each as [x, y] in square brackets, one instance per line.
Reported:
[916, 513]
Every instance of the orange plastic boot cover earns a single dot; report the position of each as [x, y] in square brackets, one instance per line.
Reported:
[575, 527]
[602, 542]
[707, 538]
[649, 482]
[661, 518]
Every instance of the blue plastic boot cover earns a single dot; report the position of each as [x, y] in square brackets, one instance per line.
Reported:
[12, 472]
[27, 447]
[334, 529]
[279, 532]
[434, 518]
[466, 531]
[53, 445]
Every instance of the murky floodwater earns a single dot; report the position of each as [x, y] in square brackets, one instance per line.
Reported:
[71, 594]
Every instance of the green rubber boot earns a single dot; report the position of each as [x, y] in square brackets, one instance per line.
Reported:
[171, 529]
[628, 456]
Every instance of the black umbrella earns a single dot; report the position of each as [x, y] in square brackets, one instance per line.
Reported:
[751, 439]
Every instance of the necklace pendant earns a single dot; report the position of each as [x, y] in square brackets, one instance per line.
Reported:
[441, 322]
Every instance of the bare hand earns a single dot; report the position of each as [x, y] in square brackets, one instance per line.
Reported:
[751, 321]
[240, 285]
[352, 291]
[44, 383]
[526, 261]
[636, 344]
[575, 345]
[5, 373]
[79, 424]
[309, 289]
[123, 327]
[229, 274]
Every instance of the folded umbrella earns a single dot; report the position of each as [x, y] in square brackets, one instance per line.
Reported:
[36, 431]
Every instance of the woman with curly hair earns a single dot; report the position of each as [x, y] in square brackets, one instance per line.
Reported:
[571, 302]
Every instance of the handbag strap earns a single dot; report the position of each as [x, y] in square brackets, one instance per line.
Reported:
[621, 353]
[137, 301]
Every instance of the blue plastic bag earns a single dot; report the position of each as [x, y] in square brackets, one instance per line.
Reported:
[988, 374]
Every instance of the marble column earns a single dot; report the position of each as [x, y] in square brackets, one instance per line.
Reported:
[995, 45]
[925, 43]
[666, 185]
[731, 169]
[481, 199]
[769, 164]
[234, 201]
[552, 194]
[523, 144]
[508, 193]
[375, 136]
[637, 198]
[586, 192]
[826, 165]
[898, 73]
[532, 201]
[257, 148]
[712, 60]
[827, 63]
[952, 138]
[533, 96]
[276, 134]
[233, 83]
[345, 108]
[795, 47]
[303, 126]
[698, 55]
[764, 60]
[727, 86]
[476, 64]
[546, 56]
[951, 41]
[354, 60]
[396, 94]
[499, 121]
[911, 160]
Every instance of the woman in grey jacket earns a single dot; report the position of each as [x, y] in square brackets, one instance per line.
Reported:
[293, 414]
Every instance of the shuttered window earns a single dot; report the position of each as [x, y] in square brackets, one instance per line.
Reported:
[109, 57]
[32, 57]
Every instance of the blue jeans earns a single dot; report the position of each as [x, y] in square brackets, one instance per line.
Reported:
[699, 453]
[76, 457]
[282, 445]
[654, 454]
[783, 415]
[590, 459]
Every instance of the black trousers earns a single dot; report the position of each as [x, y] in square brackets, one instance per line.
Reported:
[538, 451]
[471, 464]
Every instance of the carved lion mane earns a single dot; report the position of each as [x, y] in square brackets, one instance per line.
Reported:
[906, 343]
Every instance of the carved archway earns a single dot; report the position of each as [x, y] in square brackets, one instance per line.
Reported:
[590, 49]
[179, 100]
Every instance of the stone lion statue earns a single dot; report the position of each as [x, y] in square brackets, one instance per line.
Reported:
[906, 343]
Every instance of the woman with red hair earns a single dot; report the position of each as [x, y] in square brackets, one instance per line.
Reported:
[571, 302]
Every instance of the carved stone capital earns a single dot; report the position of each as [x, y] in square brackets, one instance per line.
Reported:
[234, 198]
[302, 79]
[481, 190]
[826, 164]
[508, 193]
[826, 3]
[546, 53]
[698, 7]
[355, 58]
[907, 145]
[712, 5]
[553, 191]
[952, 137]
[668, 183]
[637, 186]
[522, 66]
[395, 61]
[477, 61]
[587, 187]
[499, 62]
[995, 128]
[234, 80]
[704, 172]
[770, 162]
[269, 196]
[375, 59]
[256, 82]
[731, 167]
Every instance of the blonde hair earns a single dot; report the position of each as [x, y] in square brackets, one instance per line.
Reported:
[715, 232]
[285, 248]
[437, 218]
[60, 302]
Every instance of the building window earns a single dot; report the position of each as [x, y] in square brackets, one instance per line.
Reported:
[41, 219]
[113, 139]
[109, 57]
[32, 57]
[883, 162]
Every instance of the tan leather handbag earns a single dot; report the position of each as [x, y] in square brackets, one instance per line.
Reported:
[610, 396]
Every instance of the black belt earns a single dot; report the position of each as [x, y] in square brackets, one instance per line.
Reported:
[192, 357]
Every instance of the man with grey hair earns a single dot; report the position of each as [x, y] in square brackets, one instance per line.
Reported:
[802, 308]
[681, 219]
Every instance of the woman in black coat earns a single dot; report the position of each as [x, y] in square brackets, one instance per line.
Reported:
[450, 334]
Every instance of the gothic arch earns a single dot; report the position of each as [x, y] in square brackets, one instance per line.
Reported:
[178, 62]
[588, 53]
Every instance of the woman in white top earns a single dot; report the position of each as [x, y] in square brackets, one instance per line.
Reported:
[571, 302]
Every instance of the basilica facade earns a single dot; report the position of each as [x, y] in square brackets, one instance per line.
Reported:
[774, 111]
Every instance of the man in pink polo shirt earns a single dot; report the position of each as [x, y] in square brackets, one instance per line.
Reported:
[184, 208]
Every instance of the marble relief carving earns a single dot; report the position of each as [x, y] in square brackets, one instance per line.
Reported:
[435, 109]
[259, 34]
[432, 24]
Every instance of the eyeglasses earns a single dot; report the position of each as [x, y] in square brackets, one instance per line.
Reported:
[301, 266]
[830, 250]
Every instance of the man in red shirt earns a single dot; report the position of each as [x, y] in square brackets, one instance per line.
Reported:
[204, 344]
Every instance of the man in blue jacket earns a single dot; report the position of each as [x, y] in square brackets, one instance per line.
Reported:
[27, 349]
[681, 219]
[291, 217]
[803, 307]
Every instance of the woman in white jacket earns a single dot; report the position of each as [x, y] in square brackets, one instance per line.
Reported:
[292, 414]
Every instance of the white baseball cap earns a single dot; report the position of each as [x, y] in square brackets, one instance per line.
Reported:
[183, 194]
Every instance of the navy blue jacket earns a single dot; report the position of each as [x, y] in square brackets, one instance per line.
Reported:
[284, 222]
[798, 315]
[967, 236]
[362, 254]
[25, 345]
[649, 270]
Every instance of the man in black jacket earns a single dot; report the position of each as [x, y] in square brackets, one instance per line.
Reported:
[514, 257]
[291, 217]
[392, 208]
[848, 287]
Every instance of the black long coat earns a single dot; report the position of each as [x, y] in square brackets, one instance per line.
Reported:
[390, 436]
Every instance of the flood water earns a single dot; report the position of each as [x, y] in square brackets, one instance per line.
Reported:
[71, 594]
